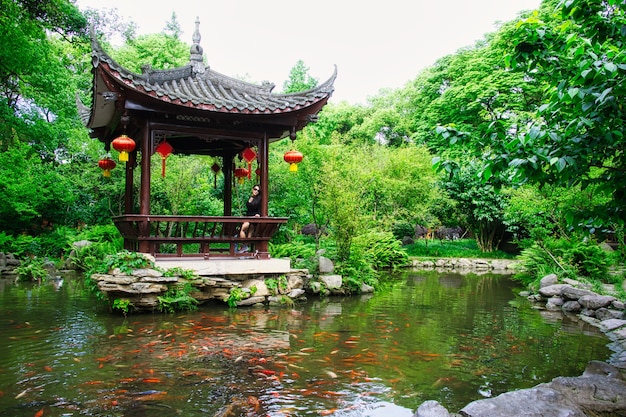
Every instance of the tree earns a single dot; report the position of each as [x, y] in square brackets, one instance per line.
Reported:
[578, 54]
[481, 203]
[299, 79]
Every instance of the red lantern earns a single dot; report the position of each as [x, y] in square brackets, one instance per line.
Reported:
[215, 168]
[106, 164]
[164, 149]
[123, 144]
[293, 158]
[241, 173]
[249, 155]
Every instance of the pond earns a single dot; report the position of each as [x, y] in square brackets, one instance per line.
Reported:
[424, 336]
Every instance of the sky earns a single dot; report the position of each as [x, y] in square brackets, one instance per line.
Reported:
[375, 45]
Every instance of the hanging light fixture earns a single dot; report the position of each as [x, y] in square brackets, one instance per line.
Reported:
[293, 157]
[241, 174]
[249, 155]
[123, 144]
[106, 164]
[164, 149]
[215, 168]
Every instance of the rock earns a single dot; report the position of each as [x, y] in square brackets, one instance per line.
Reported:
[259, 284]
[499, 265]
[11, 260]
[326, 266]
[463, 263]
[114, 279]
[160, 279]
[534, 402]
[554, 304]
[550, 279]
[251, 301]
[332, 282]
[296, 293]
[612, 324]
[431, 409]
[147, 272]
[146, 288]
[600, 393]
[572, 293]
[315, 287]
[571, 307]
[553, 290]
[366, 289]
[595, 368]
[607, 313]
[295, 281]
[81, 244]
[310, 229]
[595, 301]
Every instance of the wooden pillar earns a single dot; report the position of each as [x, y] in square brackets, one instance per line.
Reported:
[227, 169]
[144, 191]
[128, 190]
[146, 154]
[263, 158]
[263, 161]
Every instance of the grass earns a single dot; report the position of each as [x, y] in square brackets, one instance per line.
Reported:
[463, 248]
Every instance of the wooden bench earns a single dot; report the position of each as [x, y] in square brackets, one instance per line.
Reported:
[214, 235]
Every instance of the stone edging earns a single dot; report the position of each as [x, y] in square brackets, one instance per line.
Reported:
[475, 265]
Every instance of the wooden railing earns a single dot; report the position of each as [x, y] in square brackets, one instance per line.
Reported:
[206, 236]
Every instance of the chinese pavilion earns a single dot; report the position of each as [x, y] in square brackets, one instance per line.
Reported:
[193, 110]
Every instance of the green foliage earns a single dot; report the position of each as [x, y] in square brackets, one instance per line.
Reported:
[178, 298]
[158, 51]
[462, 248]
[482, 204]
[277, 285]
[576, 259]
[105, 241]
[589, 259]
[126, 261]
[577, 54]
[180, 272]
[122, 304]
[299, 79]
[32, 269]
[403, 229]
[297, 249]
[381, 249]
[235, 296]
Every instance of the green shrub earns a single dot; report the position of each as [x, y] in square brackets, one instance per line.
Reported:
[32, 269]
[402, 229]
[123, 304]
[126, 261]
[589, 259]
[381, 249]
[178, 298]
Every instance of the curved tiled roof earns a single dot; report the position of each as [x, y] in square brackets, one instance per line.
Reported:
[199, 87]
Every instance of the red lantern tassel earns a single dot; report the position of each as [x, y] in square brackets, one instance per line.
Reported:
[162, 167]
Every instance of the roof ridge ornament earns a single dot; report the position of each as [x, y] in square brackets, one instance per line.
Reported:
[196, 51]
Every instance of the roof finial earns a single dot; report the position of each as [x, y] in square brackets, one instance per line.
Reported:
[196, 50]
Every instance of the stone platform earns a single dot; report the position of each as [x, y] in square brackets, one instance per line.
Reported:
[227, 266]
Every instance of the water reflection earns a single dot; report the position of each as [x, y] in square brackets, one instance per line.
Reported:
[423, 336]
